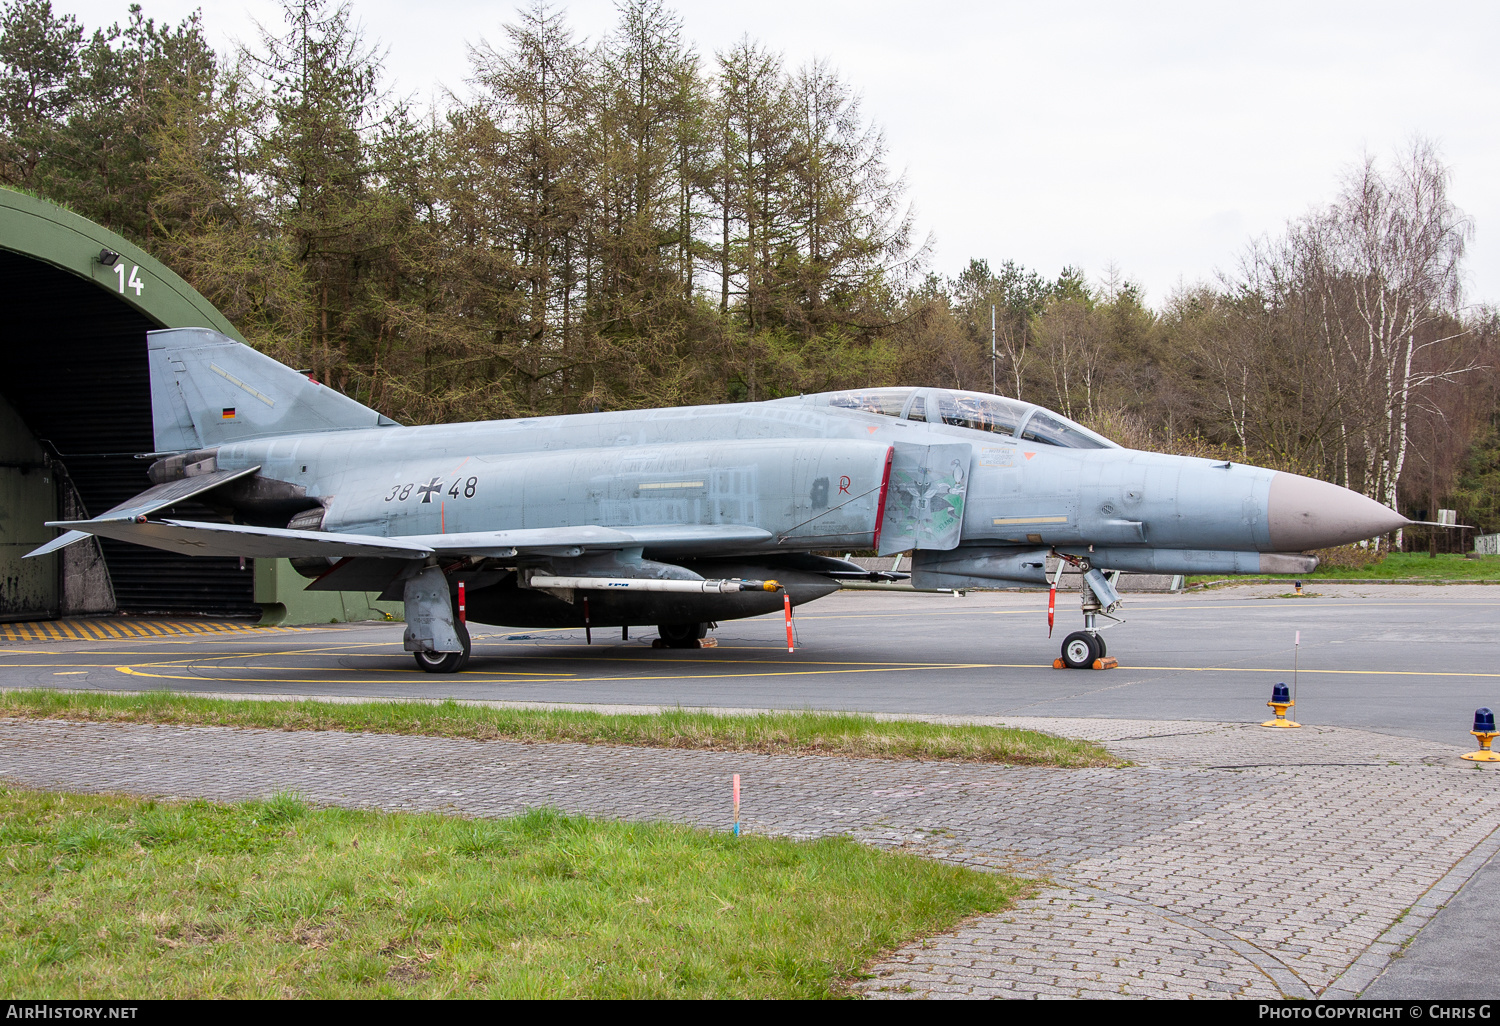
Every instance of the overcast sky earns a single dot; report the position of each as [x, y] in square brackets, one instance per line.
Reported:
[1155, 137]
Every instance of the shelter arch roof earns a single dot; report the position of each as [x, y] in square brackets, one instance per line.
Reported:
[49, 233]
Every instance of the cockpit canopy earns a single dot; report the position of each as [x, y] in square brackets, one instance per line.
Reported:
[978, 411]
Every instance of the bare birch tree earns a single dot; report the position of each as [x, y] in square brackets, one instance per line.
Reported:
[1383, 265]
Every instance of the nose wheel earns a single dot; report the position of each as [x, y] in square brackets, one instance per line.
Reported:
[1081, 648]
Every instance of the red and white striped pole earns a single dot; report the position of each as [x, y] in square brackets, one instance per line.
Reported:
[787, 605]
[736, 805]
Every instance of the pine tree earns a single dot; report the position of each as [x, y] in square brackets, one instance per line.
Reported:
[126, 80]
[332, 143]
[38, 70]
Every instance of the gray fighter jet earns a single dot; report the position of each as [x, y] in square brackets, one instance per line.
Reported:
[683, 517]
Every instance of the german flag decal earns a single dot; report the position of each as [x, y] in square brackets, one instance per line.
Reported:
[229, 413]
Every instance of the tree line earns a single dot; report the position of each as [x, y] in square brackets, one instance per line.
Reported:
[623, 223]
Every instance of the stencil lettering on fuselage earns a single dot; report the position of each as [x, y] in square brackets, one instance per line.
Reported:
[924, 502]
[997, 456]
[702, 496]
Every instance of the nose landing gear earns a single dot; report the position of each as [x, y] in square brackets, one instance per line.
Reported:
[1081, 648]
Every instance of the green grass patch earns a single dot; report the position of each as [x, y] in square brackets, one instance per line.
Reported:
[105, 896]
[798, 733]
[1394, 567]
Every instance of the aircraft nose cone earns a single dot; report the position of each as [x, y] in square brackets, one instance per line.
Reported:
[1304, 513]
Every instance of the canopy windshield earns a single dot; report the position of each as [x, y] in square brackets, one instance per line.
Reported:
[977, 411]
[1050, 429]
[887, 401]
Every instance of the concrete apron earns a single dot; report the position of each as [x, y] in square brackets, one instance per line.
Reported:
[1228, 861]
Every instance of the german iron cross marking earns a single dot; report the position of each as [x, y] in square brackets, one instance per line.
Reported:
[435, 485]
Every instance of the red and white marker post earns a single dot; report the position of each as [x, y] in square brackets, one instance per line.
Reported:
[1296, 654]
[786, 601]
[1052, 596]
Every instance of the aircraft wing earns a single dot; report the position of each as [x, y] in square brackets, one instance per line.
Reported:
[200, 539]
[205, 539]
[155, 498]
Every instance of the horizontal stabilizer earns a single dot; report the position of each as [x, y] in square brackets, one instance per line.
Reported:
[62, 541]
[157, 497]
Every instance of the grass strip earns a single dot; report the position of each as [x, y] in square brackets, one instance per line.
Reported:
[106, 896]
[796, 733]
[1397, 566]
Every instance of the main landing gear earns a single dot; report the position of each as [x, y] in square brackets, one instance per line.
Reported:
[446, 662]
[1081, 648]
[436, 637]
[682, 635]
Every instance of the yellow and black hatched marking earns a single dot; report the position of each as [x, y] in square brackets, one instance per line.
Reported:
[113, 629]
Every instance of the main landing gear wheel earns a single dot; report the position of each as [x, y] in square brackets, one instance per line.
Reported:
[446, 662]
[1080, 649]
[682, 635]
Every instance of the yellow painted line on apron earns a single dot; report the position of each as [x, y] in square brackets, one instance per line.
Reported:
[388, 653]
[134, 670]
[814, 669]
[1351, 673]
[1041, 609]
[476, 679]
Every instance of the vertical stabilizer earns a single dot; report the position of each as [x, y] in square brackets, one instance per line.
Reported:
[209, 390]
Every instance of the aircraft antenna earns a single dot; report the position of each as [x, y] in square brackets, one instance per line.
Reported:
[994, 388]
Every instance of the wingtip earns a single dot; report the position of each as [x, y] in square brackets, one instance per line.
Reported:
[62, 541]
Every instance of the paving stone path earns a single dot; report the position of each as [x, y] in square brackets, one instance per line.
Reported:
[1229, 861]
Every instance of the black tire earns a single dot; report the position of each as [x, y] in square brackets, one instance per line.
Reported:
[446, 662]
[682, 635]
[1103, 648]
[1079, 650]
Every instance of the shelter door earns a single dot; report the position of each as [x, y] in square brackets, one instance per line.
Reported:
[28, 499]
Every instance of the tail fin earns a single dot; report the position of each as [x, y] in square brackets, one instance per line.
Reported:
[209, 390]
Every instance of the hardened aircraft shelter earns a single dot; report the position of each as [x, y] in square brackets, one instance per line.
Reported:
[75, 410]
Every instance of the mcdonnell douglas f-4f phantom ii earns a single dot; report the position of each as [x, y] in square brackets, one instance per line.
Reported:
[683, 517]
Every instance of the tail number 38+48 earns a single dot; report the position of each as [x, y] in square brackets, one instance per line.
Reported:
[460, 488]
